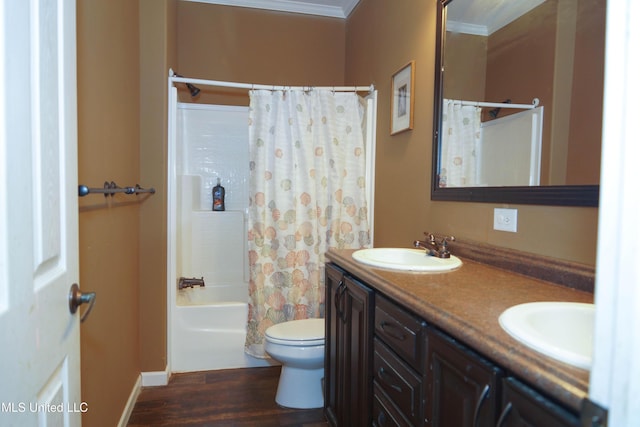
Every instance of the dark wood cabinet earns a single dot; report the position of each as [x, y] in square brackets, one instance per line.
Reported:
[523, 406]
[397, 364]
[348, 350]
[384, 366]
[463, 387]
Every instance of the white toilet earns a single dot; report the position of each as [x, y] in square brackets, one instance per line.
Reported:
[299, 346]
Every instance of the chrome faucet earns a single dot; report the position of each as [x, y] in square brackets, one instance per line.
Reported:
[433, 248]
[185, 282]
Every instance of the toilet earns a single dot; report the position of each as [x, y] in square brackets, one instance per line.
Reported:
[299, 346]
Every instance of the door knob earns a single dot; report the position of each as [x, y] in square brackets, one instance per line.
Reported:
[77, 298]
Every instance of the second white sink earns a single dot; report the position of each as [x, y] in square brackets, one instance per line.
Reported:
[561, 330]
[405, 259]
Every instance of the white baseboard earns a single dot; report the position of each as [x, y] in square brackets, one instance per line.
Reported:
[145, 379]
[156, 378]
[131, 402]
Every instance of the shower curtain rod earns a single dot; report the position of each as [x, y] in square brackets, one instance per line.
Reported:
[252, 86]
[534, 104]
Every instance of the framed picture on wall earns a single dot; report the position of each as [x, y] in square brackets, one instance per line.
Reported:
[402, 99]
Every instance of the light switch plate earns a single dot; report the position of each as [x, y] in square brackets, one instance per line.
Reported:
[505, 219]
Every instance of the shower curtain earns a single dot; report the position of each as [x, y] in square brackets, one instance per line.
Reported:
[460, 137]
[307, 194]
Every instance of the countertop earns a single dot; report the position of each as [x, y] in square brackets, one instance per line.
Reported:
[467, 302]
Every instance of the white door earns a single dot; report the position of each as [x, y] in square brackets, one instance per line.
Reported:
[39, 337]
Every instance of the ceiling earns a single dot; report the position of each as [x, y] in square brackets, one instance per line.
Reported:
[483, 17]
[330, 8]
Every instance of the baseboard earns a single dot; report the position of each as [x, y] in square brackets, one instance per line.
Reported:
[131, 402]
[156, 378]
[145, 379]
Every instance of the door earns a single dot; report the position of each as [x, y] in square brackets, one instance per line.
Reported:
[358, 353]
[39, 337]
[463, 386]
[523, 406]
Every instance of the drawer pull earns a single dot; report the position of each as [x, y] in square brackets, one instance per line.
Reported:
[481, 399]
[384, 325]
[382, 419]
[503, 416]
[382, 373]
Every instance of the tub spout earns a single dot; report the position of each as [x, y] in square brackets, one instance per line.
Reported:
[185, 282]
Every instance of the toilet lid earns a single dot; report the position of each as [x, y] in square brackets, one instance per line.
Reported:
[307, 331]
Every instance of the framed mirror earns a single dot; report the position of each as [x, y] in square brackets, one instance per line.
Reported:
[518, 101]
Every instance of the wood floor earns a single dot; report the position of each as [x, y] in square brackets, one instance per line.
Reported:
[234, 397]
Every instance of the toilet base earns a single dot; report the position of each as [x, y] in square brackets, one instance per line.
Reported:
[300, 388]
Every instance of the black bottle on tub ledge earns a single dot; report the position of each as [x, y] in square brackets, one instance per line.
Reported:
[218, 197]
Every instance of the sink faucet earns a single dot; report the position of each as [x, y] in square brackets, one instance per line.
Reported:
[434, 248]
[185, 282]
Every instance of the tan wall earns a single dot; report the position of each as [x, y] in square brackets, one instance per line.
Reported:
[157, 54]
[381, 37]
[586, 107]
[108, 149]
[256, 46]
[466, 67]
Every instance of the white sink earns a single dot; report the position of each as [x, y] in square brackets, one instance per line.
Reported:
[561, 330]
[405, 259]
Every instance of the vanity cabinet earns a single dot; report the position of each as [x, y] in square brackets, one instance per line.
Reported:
[385, 366]
[348, 349]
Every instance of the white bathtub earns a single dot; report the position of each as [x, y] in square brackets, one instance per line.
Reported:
[209, 329]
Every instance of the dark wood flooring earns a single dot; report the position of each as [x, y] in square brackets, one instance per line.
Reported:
[233, 397]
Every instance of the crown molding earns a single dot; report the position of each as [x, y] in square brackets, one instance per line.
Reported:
[292, 6]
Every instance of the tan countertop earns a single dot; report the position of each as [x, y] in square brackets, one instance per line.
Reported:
[467, 302]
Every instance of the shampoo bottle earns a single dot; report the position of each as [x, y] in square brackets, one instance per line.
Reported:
[218, 197]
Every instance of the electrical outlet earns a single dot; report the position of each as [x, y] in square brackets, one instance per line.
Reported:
[505, 219]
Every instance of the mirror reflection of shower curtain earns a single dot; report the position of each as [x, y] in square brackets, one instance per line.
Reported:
[461, 134]
[307, 194]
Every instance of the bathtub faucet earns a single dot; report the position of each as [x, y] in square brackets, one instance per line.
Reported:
[185, 282]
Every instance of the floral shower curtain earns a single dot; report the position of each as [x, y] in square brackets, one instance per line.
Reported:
[307, 194]
[460, 136]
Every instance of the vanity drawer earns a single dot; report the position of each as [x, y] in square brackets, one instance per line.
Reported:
[398, 381]
[401, 331]
[384, 413]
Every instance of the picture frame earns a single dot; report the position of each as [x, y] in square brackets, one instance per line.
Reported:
[402, 98]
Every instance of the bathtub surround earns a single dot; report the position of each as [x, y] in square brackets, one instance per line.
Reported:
[208, 324]
[307, 194]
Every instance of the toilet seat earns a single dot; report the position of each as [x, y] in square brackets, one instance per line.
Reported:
[304, 332]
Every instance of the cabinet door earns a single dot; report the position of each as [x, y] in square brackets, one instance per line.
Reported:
[348, 350]
[463, 387]
[358, 354]
[523, 406]
[333, 284]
